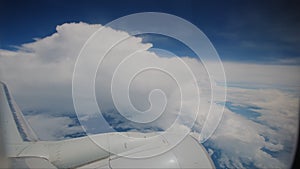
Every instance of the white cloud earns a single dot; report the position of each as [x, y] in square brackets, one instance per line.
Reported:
[242, 140]
[40, 74]
[40, 77]
[263, 75]
[52, 128]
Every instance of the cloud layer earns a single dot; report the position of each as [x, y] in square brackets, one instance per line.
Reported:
[267, 141]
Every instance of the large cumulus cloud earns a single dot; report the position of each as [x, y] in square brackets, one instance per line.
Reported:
[40, 74]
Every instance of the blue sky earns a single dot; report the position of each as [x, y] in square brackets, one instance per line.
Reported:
[248, 31]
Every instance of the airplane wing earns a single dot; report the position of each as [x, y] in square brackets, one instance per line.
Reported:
[25, 150]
